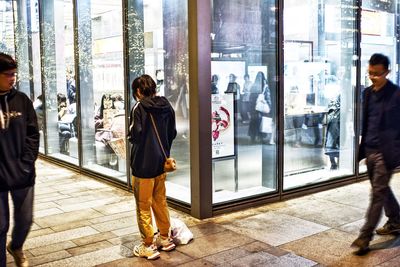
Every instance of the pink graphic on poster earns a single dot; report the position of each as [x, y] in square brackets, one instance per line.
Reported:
[222, 125]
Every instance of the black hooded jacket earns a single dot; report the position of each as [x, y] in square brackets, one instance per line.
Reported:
[147, 158]
[19, 141]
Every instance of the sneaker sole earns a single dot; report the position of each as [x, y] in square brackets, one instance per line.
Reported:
[153, 257]
[168, 248]
[389, 233]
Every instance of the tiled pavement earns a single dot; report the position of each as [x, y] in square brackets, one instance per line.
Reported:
[83, 222]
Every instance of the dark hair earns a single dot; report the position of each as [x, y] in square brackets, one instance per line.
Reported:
[135, 85]
[145, 84]
[61, 98]
[7, 62]
[379, 59]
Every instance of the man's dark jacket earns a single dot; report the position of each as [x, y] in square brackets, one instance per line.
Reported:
[19, 141]
[389, 125]
[147, 159]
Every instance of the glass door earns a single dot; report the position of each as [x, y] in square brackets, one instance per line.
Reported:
[319, 84]
[243, 97]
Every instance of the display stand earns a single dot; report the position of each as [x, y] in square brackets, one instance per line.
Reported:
[224, 132]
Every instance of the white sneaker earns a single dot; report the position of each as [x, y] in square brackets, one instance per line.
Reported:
[148, 252]
[166, 244]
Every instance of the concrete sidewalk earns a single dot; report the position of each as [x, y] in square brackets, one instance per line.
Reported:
[83, 222]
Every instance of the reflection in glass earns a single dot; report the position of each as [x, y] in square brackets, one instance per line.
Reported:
[6, 27]
[158, 46]
[59, 84]
[102, 87]
[318, 91]
[22, 46]
[378, 34]
[243, 96]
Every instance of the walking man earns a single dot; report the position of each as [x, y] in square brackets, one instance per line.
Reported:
[19, 145]
[380, 145]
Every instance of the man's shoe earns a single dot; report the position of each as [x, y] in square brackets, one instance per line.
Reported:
[165, 243]
[19, 256]
[362, 245]
[388, 229]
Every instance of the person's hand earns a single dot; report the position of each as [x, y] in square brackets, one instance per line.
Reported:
[98, 123]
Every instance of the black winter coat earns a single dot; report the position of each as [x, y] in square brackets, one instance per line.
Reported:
[19, 141]
[147, 159]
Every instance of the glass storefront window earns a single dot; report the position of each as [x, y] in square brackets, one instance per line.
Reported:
[319, 84]
[38, 99]
[22, 46]
[378, 35]
[27, 42]
[101, 74]
[158, 46]
[6, 27]
[59, 84]
[243, 71]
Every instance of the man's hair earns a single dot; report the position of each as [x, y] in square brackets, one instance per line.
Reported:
[145, 84]
[377, 59]
[7, 62]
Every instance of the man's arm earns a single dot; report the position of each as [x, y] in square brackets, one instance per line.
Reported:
[31, 148]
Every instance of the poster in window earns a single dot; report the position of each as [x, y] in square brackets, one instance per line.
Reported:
[222, 125]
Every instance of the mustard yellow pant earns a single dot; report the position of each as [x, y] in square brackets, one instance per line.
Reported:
[150, 195]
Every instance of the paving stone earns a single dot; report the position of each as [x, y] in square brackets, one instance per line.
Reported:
[206, 229]
[88, 259]
[275, 228]
[47, 212]
[40, 241]
[50, 257]
[126, 231]
[391, 263]
[119, 207]
[70, 226]
[114, 224]
[40, 232]
[212, 244]
[47, 249]
[332, 248]
[46, 196]
[320, 211]
[198, 263]
[51, 198]
[88, 248]
[128, 214]
[45, 205]
[89, 204]
[93, 238]
[67, 217]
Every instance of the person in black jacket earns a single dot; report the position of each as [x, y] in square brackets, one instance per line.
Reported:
[332, 140]
[147, 163]
[380, 145]
[19, 146]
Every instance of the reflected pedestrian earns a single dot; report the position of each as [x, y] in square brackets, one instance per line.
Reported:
[147, 163]
[19, 146]
[380, 146]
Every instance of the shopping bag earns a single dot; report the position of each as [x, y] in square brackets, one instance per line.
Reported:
[180, 233]
[262, 105]
[266, 125]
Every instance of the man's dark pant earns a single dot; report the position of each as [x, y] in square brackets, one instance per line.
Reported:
[23, 214]
[381, 195]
